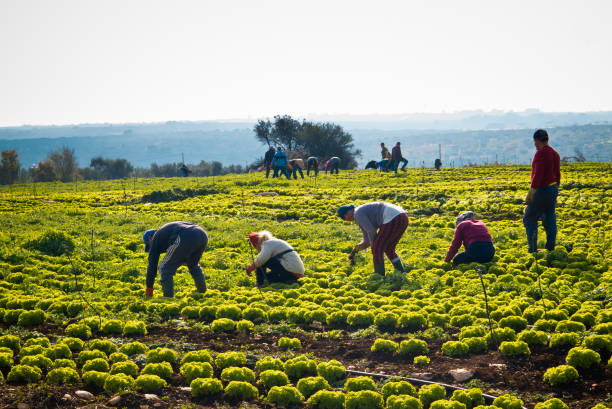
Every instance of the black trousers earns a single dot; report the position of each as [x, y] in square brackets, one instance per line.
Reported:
[480, 252]
[276, 274]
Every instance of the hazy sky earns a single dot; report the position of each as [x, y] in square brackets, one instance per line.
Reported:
[131, 61]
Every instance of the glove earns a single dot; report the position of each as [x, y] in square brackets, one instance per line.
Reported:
[530, 195]
[250, 269]
[149, 292]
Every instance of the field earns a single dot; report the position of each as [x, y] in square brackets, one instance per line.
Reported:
[73, 315]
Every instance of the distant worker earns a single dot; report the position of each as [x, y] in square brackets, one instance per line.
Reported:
[475, 237]
[312, 163]
[280, 163]
[371, 165]
[542, 196]
[296, 165]
[185, 171]
[183, 243]
[332, 164]
[438, 163]
[382, 226]
[384, 152]
[277, 261]
[268, 159]
[396, 158]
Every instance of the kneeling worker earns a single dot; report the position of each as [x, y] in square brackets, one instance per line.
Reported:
[183, 243]
[382, 225]
[277, 261]
[475, 237]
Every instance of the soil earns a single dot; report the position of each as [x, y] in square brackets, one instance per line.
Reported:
[493, 373]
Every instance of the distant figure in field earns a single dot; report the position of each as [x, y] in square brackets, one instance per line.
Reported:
[268, 157]
[384, 152]
[183, 243]
[382, 226]
[185, 171]
[396, 158]
[437, 163]
[294, 166]
[371, 165]
[475, 237]
[332, 164]
[312, 163]
[277, 261]
[542, 196]
[280, 163]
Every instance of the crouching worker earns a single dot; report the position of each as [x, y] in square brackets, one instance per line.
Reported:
[475, 237]
[277, 261]
[382, 225]
[183, 243]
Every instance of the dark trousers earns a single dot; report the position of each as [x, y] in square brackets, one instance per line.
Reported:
[477, 252]
[282, 170]
[312, 165]
[268, 167]
[297, 169]
[276, 274]
[187, 250]
[333, 167]
[396, 163]
[542, 207]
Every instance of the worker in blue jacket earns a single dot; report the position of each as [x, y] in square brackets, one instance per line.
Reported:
[280, 163]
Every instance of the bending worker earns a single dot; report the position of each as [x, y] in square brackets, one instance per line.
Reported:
[312, 163]
[283, 262]
[183, 243]
[474, 235]
[382, 225]
[332, 164]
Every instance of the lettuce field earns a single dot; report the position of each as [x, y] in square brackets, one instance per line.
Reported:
[77, 331]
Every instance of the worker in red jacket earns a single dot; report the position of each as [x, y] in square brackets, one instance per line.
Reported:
[475, 237]
[542, 196]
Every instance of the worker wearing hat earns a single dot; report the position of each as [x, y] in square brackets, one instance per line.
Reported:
[382, 225]
[277, 262]
[183, 243]
[474, 235]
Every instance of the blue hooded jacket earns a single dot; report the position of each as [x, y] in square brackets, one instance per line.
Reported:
[280, 158]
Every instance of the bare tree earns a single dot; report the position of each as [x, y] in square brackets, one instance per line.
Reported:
[64, 163]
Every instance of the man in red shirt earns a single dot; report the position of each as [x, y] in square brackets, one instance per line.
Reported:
[542, 196]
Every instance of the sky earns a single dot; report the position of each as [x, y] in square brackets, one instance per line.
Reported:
[82, 61]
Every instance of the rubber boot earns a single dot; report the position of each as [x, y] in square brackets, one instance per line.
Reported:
[379, 269]
[168, 287]
[200, 282]
[399, 266]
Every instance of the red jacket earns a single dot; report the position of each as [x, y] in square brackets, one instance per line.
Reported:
[467, 232]
[545, 167]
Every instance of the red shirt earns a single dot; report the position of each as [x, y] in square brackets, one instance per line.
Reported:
[467, 232]
[545, 167]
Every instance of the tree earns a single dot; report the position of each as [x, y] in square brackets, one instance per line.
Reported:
[263, 132]
[111, 168]
[64, 163]
[9, 167]
[45, 172]
[325, 140]
[285, 131]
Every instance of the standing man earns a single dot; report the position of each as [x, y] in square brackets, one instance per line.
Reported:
[542, 196]
[332, 164]
[280, 163]
[268, 160]
[382, 226]
[312, 163]
[396, 158]
[183, 243]
[384, 152]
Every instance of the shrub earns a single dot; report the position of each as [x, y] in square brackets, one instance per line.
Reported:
[533, 337]
[95, 378]
[570, 326]
[207, 313]
[39, 361]
[564, 339]
[412, 321]
[300, 367]
[360, 319]
[234, 373]
[42, 341]
[103, 345]
[363, 400]
[10, 341]
[190, 312]
[398, 388]
[126, 367]
[32, 350]
[447, 404]
[63, 363]
[311, 385]
[24, 373]
[162, 355]
[267, 363]
[337, 319]
[455, 348]
[240, 390]
[205, 387]
[582, 358]
[62, 376]
[112, 327]
[245, 326]
[58, 351]
[514, 348]
[31, 318]
[471, 332]
[360, 383]
[52, 242]
[133, 348]
[545, 325]
[386, 321]
[326, 400]
[273, 377]
[289, 343]
[508, 402]
[319, 315]
[553, 403]
[223, 325]
[74, 308]
[599, 343]
[134, 328]
[75, 344]
[285, 396]
[96, 364]
[384, 346]
[92, 322]
[117, 357]
[515, 322]
[161, 369]
[413, 346]
[202, 355]
[332, 371]
[79, 330]
[193, 370]
[227, 359]
[500, 335]
[431, 393]
[12, 316]
[254, 314]
[462, 320]
[476, 345]
[118, 383]
[149, 383]
[231, 312]
[421, 360]
[403, 402]
[85, 356]
[470, 398]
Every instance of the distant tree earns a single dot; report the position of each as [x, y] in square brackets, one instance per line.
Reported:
[64, 163]
[111, 168]
[263, 132]
[285, 131]
[9, 167]
[45, 172]
[217, 167]
[325, 140]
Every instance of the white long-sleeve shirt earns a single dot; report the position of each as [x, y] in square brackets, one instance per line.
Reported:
[291, 261]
